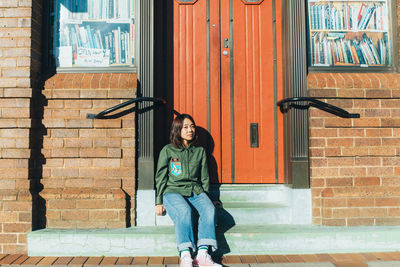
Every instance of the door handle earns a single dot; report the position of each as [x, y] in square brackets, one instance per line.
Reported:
[225, 52]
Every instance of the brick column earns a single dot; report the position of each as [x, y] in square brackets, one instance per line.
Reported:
[354, 163]
[18, 65]
[89, 173]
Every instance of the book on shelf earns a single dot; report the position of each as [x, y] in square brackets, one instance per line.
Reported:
[348, 16]
[116, 42]
[337, 49]
[96, 9]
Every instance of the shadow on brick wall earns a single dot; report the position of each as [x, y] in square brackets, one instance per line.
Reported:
[37, 160]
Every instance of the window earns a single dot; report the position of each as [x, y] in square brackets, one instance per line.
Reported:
[350, 33]
[94, 34]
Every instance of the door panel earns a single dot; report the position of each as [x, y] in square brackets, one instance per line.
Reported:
[254, 91]
[226, 77]
[190, 62]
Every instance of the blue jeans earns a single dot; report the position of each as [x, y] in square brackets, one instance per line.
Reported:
[180, 211]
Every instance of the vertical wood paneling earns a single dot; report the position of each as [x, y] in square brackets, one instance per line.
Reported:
[254, 92]
[190, 87]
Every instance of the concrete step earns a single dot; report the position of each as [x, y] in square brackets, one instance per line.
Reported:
[258, 204]
[236, 240]
[274, 193]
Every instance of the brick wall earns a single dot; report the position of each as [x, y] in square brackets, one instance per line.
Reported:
[354, 163]
[88, 175]
[17, 63]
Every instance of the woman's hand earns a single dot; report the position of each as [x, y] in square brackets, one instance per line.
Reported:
[160, 209]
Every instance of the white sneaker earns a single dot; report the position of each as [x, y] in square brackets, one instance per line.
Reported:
[186, 262]
[204, 260]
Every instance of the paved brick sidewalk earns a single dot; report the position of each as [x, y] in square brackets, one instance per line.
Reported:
[384, 259]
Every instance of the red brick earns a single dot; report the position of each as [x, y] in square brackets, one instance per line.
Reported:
[390, 103]
[334, 202]
[360, 202]
[327, 192]
[317, 162]
[387, 221]
[64, 172]
[367, 181]
[390, 122]
[78, 162]
[354, 151]
[379, 132]
[93, 152]
[107, 163]
[360, 221]
[380, 171]
[367, 122]
[340, 162]
[334, 151]
[121, 172]
[16, 227]
[373, 212]
[108, 124]
[107, 142]
[78, 104]
[313, 142]
[79, 182]
[334, 222]
[78, 142]
[382, 151]
[64, 133]
[340, 142]
[347, 192]
[76, 193]
[103, 215]
[116, 204]
[78, 80]
[351, 132]
[334, 182]
[92, 172]
[387, 202]
[90, 204]
[17, 153]
[92, 133]
[65, 153]
[345, 213]
[90, 225]
[61, 204]
[75, 123]
[75, 215]
[368, 142]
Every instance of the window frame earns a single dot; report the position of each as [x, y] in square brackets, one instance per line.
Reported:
[392, 24]
[49, 56]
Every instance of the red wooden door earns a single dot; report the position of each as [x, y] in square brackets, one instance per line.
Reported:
[227, 74]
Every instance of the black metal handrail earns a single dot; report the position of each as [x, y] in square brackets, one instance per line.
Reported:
[101, 115]
[288, 103]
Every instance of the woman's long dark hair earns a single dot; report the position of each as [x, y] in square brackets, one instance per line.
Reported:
[176, 128]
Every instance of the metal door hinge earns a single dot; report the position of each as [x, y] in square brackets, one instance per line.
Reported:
[226, 43]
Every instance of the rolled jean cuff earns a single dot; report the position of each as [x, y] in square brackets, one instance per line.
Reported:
[208, 242]
[185, 245]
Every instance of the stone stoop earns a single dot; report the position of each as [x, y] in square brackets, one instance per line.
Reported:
[258, 204]
[247, 215]
[237, 240]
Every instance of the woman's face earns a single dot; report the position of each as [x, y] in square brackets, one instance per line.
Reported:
[188, 131]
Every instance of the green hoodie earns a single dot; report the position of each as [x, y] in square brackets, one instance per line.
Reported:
[181, 170]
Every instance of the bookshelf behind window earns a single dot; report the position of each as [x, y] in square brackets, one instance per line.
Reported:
[349, 33]
[94, 33]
